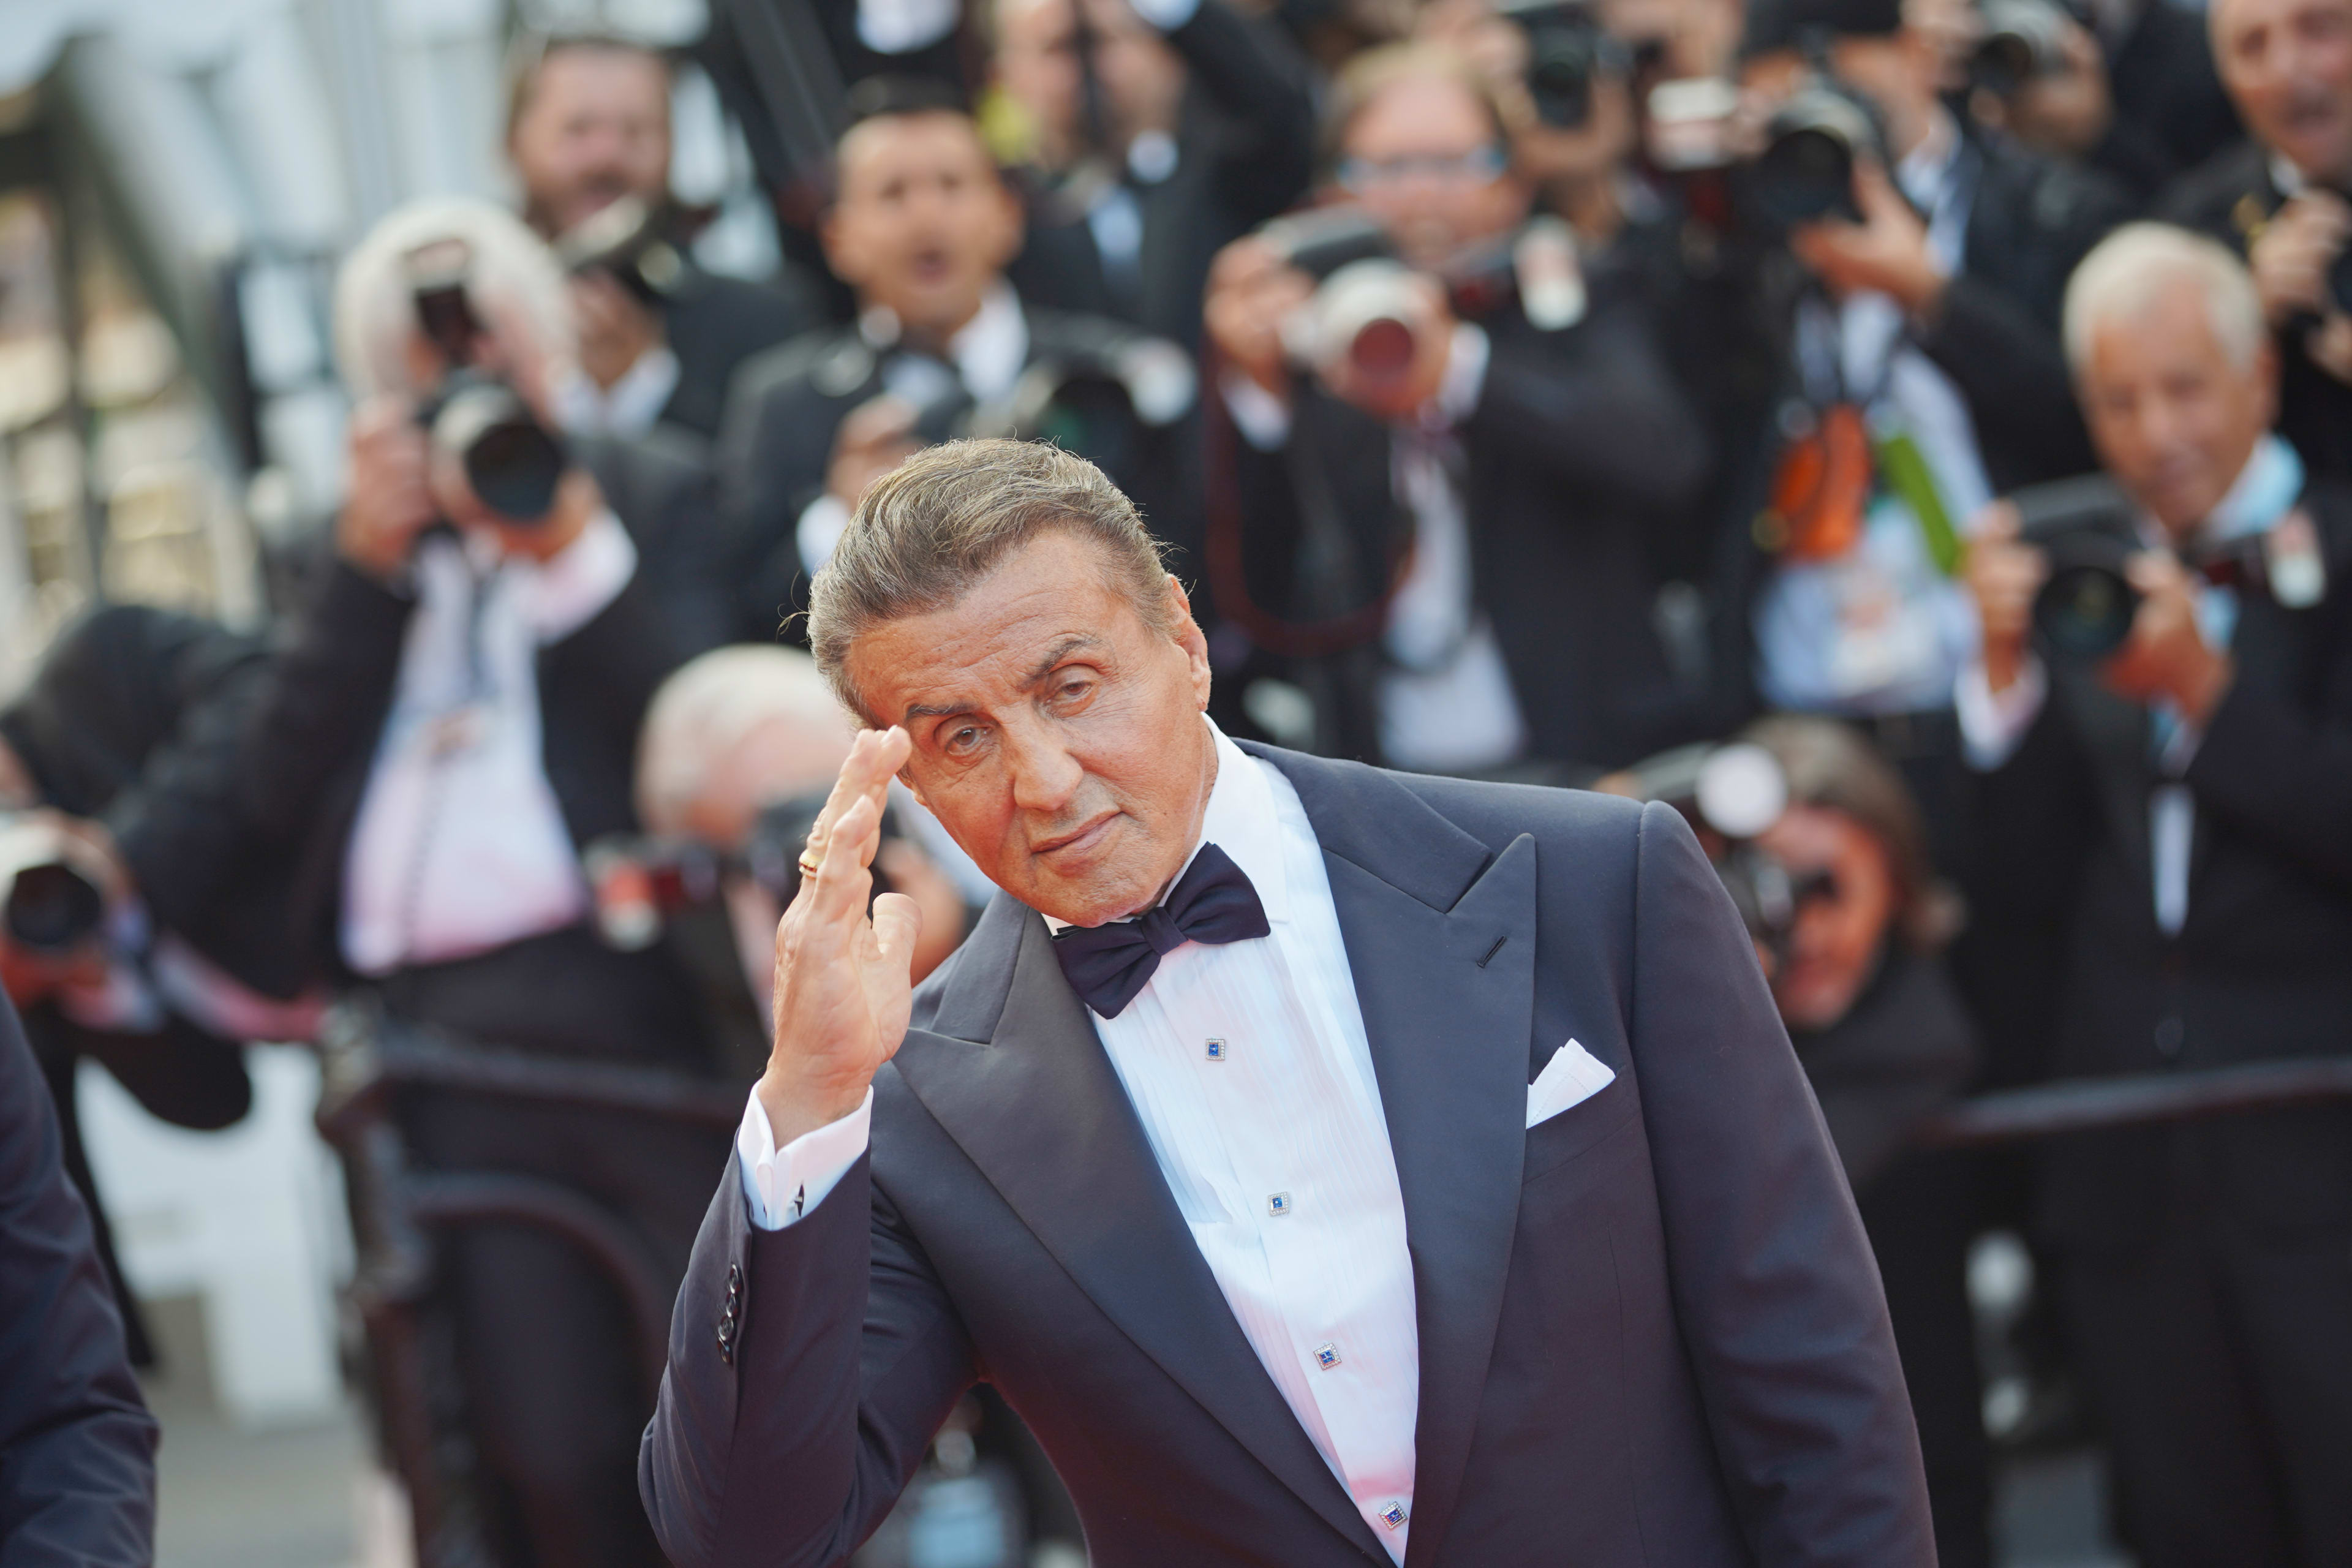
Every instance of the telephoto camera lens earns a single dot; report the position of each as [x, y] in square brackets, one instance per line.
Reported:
[52, 908]
[2023, 41]
[1805, 172]
[513, 462]
[2088, 529]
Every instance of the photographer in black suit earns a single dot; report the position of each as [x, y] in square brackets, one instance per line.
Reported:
[1477, 507]
[2175, 816]
[1160, 133]
[922, 227]
[453, 720]
[588, 126]
[2278, 198]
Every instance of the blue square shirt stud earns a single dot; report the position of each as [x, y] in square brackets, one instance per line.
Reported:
[1216, 1050]
[1277, 1203]
[1394, 1515]
[1327, 1356]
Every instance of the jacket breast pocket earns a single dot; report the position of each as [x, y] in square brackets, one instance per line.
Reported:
[1555, 1140]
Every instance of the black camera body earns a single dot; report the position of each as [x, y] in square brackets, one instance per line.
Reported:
[2089, 529]
[513, 462]
[1804, 172]
[1566, 49]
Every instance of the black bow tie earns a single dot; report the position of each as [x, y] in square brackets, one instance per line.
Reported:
[1211, 902]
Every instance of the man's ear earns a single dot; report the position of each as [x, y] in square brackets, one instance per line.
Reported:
[1187, 635]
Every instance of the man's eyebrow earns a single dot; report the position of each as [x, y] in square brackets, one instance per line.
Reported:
[1060, 651]
[925, 711]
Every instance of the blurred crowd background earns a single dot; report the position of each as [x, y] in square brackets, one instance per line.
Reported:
[1912, 437]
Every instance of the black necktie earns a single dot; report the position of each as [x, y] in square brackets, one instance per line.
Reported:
[1211, 902]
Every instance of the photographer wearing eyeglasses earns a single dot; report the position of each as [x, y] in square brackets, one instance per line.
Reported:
[2162, 714]
[1452, 444]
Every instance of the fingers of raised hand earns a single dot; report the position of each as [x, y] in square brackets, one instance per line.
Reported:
[897, 923]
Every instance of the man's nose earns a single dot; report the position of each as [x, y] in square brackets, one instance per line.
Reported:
[1045, 776]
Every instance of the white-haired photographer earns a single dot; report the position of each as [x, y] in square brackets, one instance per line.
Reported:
[454, 716]
[2162, 720]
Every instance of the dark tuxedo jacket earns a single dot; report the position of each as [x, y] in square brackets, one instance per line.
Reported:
[2170, 111]
[77, 1444]
[2258, 970]
[714, 323]
[1246, 150]
[1582, 447]
[1650, 1328]
[787, 404]
[2232, 196]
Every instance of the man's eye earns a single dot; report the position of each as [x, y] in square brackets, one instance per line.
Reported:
[963, 738]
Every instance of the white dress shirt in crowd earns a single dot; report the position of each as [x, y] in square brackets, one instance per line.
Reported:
[1248, 1066]
[1881, 629]
[987, 353]
[629, 407]
[459, 846]
[1994, 725]
[1446, 703]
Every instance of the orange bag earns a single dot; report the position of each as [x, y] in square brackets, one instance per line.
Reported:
[1822, 488]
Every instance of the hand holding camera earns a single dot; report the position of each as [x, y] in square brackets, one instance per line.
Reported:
[59, 878]
[391, 500]
[1253, 290]
[2166, 655]
[875, 437]
[1886, 252]
[2295, 253]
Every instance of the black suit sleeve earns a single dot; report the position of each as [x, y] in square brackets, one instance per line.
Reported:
[786, 1450]
[1595, 406]
[327, 699]
[2013, 374]
[77, 1444]
[1774, 1287]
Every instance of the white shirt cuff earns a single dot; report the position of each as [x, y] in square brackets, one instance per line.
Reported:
[783, 1184]
[1165, 14]
[1994, 725]
[571, 587]
[1466, 373]
[1263, 418]
[823, 522]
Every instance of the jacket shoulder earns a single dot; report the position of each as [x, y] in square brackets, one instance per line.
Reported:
[2206, 197]
[830, 361]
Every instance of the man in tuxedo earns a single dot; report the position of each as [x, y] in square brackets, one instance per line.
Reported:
[2277, 198]
[1331, 1166]
[1161, 131]
[2175, 819]
[77, 1444]
[1481, 515]
[922, 226]
[453, 717]
[588, 122]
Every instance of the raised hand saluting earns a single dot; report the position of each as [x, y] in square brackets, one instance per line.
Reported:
[843, 991]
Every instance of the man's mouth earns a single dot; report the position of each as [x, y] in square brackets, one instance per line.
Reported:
[931, 266]
[1081, 838]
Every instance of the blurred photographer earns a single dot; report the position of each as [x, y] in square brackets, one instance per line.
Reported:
[922, 226]
[2162, 714]
[1923, 372]
[739, 750]
[588, 134]
[1152, 134]
[2126, 87]
[1452, 445]
[139, 922]
[1824, 854]
[454, 717]
[2280, 199]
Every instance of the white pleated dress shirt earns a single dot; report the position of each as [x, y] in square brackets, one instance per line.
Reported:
[1248, 1066]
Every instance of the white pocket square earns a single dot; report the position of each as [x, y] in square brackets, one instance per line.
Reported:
[1573, 1076]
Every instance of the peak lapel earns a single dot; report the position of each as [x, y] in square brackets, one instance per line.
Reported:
[1441, 937]
[1043, 1114]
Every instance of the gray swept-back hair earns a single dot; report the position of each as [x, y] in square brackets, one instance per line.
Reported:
[511, 279]
[941, 521]
[2129, 269]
